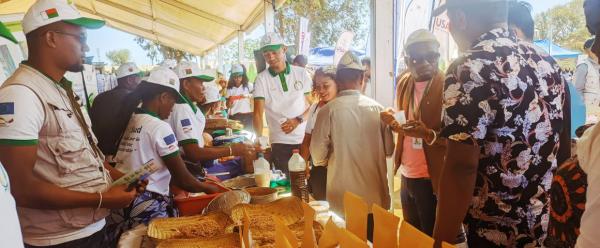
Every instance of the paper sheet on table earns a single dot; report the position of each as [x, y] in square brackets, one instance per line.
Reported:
[349, 240]
[412, 237]
[356, 212]
[309, 240]
[329, 237]
[385, 232]
[284, 237]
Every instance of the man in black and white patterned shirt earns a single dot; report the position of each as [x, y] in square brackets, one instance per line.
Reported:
[503, 115]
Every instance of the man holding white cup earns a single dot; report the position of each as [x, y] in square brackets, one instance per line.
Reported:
[419, 154]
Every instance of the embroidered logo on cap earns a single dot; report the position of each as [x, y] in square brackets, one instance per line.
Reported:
[172, 81]
[130, 69]
[49, 14]
[188, 71]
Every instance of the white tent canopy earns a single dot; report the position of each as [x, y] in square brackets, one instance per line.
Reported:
[195, 26]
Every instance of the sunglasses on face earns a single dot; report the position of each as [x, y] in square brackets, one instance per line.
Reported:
[431, 58]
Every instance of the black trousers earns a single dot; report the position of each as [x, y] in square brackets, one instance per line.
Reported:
[96, 240]
[317, 183]
[281, 154]
[418, 203]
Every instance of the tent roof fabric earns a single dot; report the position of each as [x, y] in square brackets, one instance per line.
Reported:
[555, 50]
[189, 25]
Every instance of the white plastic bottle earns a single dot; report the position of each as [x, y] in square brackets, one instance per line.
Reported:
[297, 168]
[262, 171]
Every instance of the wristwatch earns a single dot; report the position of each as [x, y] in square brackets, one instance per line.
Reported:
[300, 119]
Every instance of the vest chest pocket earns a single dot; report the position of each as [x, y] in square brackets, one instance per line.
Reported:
[75, 162]
[64, 118]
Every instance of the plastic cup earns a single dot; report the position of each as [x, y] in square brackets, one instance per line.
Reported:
[400, 117]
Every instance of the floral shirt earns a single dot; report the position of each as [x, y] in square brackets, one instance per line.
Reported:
[506, 96]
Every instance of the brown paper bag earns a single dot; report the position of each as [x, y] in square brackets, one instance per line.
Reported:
[309, 240]
[281, 230]
[413, 238]
[356, 212]
[349, 240]
[385, 232]
[329, 237]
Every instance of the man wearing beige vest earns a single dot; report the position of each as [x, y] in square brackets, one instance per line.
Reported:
[58, 176]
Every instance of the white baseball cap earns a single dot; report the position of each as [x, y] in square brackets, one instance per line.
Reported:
[271, 42]
[165, 77]
[186, 69]
[127, 69]
[211, 93]
[237, 69]
[169, 63]
[44, 12]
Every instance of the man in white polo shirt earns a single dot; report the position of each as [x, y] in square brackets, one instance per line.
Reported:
[107, 105]
[281, 92]
[62, 191]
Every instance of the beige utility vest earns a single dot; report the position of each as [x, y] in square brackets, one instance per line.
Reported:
[591, 92]
[64, 158]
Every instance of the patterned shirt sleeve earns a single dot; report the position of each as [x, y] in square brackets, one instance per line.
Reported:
[470, 104]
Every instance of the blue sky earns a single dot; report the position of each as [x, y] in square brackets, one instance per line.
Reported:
[107, 39]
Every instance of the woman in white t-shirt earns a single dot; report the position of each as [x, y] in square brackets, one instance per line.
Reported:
[238, 97]
[146, 138]
[325, 89]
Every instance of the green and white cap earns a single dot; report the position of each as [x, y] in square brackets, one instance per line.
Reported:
[271, 42]
[350, 61]
[211, 93]
[44, 12]
[165, 77]
[127, 69]
[4, 32]
[237, 69]
[186, 69]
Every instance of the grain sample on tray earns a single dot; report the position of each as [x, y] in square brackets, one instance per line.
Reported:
[262, 225]
[205, 226]
[227, 241]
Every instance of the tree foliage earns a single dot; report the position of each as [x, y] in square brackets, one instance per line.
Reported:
[327, 20]
[565, 24]
[155, 51]
[118, 57]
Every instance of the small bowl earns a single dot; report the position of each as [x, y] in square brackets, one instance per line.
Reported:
[260, 195]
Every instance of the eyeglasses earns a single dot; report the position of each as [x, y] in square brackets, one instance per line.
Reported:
[82, 38]
[430, 57]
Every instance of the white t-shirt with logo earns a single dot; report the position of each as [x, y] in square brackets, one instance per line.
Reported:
[21, 119]
[187, 125]
[148, 138]
[10, 231]
[240, 106]
[284, 100]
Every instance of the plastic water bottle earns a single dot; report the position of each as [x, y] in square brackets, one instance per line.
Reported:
[297, 168]
[262, 171]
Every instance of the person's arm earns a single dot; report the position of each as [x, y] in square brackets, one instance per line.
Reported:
[259, 111]
[32, 192]
[183, 179]
[564, 151]
[291, 124]
[580, 78]
[305, 147]
[320, 142]
[458, 178]
[193, 152]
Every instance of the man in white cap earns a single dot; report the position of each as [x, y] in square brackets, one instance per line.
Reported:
[418, 156]
[281, 92]
[106, 106]
[10, 231]
[353, 142]
[503, 114]
[188, 121]
[63, 183]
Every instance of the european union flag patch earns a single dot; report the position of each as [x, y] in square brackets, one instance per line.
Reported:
[186, 122]
[7, 108]
[169, 139]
